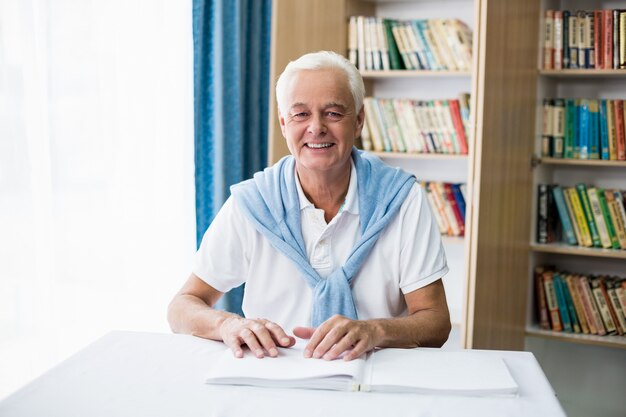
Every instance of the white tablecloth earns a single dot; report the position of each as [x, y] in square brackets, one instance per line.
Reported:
[145, 374]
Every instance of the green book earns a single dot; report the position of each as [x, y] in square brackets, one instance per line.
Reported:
[395, 61]
[606, 214]
[570, 126]
[593, 229]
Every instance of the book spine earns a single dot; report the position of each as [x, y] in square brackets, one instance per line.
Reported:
[606, 215]
[457, 212]
[603, 308]
[572, 216]
[619, 130]
[460, 201]
[352, 41]
[610, 119]
[607, 17]
[566, 53]
[580, 312]
[569, 301]
[573, 40]
[580, 217]
[547, 126]
[594, 129]
[584, 129]
[604, 135]
[570, 126]
[622, 39]
[558, 127]
[582, 31]
[542, 306]
[455, 112]
[589, 299]
[597, 39]
[395, 60]
[593, 229]
[590, 60]
[553, 306]
[558, 39]
[594, 202]
[542, 213]
[620, 313]
[564, 215]
[605, 292]
[548, 40]
[616, 217]
[560, 299]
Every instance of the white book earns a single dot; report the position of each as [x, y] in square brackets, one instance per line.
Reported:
[426, 371]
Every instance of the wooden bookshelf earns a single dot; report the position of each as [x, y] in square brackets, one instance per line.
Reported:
[606, 341]
[413, 74]
[578, 251]
[581, 73]
[417, 156]
[582, 162]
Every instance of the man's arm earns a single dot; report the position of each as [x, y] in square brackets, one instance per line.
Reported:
[427, 324]
[191, 312]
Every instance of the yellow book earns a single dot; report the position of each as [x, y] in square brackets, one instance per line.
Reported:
[580, 216]
[616, 217]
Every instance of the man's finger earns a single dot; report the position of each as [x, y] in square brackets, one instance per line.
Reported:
[303, 332]
[340, 347]
[332, 336]
[264, 337]
[279, 335]
[234, 344]
[359, 349]
[250, 339]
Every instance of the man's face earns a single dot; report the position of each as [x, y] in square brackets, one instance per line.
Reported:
[320, 123]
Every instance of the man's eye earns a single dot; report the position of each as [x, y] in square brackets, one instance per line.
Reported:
[334, 115]
[300, 116]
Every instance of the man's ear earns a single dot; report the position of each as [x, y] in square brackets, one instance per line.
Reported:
[281, 121]
[360, 121]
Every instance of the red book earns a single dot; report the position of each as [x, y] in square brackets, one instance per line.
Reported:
[597, 39]
[455, 111]
[620, 140]
[455, 208]
[607, 38]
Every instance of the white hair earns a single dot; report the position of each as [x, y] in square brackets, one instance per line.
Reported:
[321, 60]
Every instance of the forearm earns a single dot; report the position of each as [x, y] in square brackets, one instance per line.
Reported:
[424, 328]
[189, 314]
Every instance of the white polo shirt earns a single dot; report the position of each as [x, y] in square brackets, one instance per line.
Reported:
[408, 255]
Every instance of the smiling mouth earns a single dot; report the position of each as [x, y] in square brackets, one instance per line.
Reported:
[319, 145]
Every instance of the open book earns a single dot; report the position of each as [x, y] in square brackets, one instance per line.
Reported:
[427, 371]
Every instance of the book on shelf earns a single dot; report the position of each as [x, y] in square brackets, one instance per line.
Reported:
[579, 303]
[584, 39]
[426, 371]
[582, 215]
[376, 44]
[415, 126]
[583, 129]
[447, 204]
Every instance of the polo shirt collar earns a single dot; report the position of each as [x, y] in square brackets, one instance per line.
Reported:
[351, 203]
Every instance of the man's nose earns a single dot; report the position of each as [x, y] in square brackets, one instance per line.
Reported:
[317, 126]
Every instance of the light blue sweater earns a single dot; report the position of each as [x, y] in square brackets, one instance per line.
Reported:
[270, 201]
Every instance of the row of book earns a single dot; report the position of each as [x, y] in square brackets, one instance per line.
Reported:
[594, 39]
[447, 203]
[584, 129]
[375, 43]
[582, 215]
[580, 303]
[416, 126]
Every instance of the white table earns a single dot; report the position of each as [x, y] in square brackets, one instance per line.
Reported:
[146, 374]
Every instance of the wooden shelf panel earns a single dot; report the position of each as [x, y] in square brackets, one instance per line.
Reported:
[579, 251]
[582, 162]
[583, 73]
[405, 155]
[606, 341]
[412, 74]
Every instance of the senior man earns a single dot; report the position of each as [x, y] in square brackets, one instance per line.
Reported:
[331, 243]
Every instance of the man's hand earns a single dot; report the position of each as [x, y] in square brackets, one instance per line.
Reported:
[260, 335]
[337, 335]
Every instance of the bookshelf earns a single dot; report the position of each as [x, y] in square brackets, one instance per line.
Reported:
[594, 386]
[493, 255]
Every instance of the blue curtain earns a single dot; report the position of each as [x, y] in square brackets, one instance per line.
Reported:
[231, 87]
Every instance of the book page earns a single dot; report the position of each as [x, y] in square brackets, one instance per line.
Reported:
[437, 371]
[289, 369]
